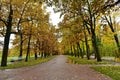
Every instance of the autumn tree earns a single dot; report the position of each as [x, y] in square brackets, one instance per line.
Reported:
[109, 17]
[84, 9]
[7, 19]
[35, 24]
[13, 14]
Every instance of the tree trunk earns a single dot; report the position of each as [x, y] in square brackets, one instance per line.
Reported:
[78, 51]
[35, 50]
[36, 55]
[71, 49]
[92, 24]
[74, 50]
[118, 45]
[7, 38]
[21, 46]
[81, 53]
[6, 47]
[87, 46]
[83, 48]
[96, 48]
[28, 48]
[87, 49]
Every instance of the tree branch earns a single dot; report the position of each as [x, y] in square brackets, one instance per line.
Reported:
[3, 21]
[112, 5]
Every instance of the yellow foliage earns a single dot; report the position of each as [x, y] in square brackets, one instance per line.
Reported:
[117, 59]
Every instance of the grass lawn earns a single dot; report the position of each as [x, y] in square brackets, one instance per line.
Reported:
[77, 60]
[29, 63]
[111, 71]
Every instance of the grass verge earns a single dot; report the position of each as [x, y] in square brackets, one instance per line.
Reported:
[25, 64]
[76, 60]
[111, 71]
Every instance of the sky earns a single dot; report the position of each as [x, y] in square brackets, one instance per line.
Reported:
[54, 17]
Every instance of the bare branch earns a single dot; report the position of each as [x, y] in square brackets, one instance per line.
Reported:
[112, 5]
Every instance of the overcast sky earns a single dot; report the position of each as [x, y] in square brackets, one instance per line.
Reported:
[54, 17]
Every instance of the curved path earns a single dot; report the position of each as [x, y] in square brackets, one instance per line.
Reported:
[55, 69]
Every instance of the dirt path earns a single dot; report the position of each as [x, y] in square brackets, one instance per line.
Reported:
[55, 69]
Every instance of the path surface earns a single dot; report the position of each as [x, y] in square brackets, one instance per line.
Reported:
[55, 69]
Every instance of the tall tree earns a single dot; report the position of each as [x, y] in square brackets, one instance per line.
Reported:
[110, 18]
[8, 24]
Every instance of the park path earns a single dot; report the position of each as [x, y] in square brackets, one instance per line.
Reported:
[55, 69]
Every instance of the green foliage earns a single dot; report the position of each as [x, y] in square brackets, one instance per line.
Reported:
[108, 49]
[77, 60]
[111, 71]
[0, 53]
[13, 52]
[25, 64]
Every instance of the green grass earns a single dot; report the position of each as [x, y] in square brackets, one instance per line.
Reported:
[25, 64]
[14, 58]
[77, 60]
[111, 71]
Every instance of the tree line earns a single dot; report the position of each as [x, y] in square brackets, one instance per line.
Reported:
[85, 23]
[29, 22]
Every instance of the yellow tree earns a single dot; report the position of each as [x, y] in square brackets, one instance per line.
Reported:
[110, 17]
[6, 18]
[13, 13]
[86, 10]
[33, 22]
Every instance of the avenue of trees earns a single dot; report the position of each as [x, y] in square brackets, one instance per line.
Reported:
[29, 22]
[86, 26]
